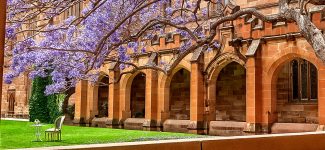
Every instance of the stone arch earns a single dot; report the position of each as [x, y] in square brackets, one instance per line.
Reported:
[231, 93]
[179, 99]
[164, 91]
[215, 66]
[138, 96]
[94, 92]
[125, 94]
[212, 75]
[276, 67]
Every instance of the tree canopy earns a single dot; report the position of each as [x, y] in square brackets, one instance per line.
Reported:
[108, 31]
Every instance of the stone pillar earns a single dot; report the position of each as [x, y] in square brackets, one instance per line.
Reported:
[196, 98]
[124, 99]
[163, 99]
[113, 99]
[92, 100]
[151, 100]
[321, 99]
[81, 102]
[253, 104]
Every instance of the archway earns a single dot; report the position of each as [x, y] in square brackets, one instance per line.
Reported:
[138, 92]
[297, 92]
[179, 101]
[231, 93]
[102, 103]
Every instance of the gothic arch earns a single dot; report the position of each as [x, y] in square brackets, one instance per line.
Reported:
[272, 69]
[212, 75]
[93, 93]
[164, 91]
[125, 94]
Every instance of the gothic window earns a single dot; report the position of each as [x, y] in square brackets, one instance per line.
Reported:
[11, 101]
[303, 81]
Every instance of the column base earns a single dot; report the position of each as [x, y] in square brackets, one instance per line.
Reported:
[150, 125]
[258, 128]
[113, 123]
[321, 128]
[197, 127]
[253, 128]
[80, 122]
[160, 125]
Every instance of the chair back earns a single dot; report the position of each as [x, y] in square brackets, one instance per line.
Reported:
[58, 122]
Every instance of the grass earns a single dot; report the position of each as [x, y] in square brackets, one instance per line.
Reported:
[18, 134]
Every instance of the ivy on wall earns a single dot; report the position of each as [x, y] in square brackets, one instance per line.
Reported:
[45, 108]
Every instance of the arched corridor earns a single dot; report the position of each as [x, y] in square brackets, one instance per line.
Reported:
[103, 97]
[231, 93]
[138, 92]
[179, 104]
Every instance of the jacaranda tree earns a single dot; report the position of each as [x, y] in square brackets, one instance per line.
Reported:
[107, 30]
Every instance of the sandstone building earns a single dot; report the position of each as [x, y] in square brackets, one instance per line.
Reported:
[266, 79]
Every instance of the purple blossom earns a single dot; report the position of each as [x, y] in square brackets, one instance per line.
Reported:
[10, 33]
[169, 10]
[66, 53]
[216, 44]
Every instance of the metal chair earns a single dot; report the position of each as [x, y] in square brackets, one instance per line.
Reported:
[56, 131]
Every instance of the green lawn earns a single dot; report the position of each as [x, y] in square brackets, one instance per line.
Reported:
[17, 134]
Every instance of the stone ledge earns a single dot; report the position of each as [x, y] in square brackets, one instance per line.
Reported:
[226, 128]
[134, 123]
[99, 122]
[293, 127]
[171, 125]
[113, 123]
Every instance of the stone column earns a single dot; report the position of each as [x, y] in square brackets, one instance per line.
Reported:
[113, 99]
[92, 100]
[321, 99]
[81, 102]
[196, 98]
[151, 101]
[253, 105]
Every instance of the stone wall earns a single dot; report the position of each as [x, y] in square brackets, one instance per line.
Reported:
[180, 96]
[290, 112]
[231, 93]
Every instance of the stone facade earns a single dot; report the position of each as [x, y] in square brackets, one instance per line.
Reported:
[243, 89]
